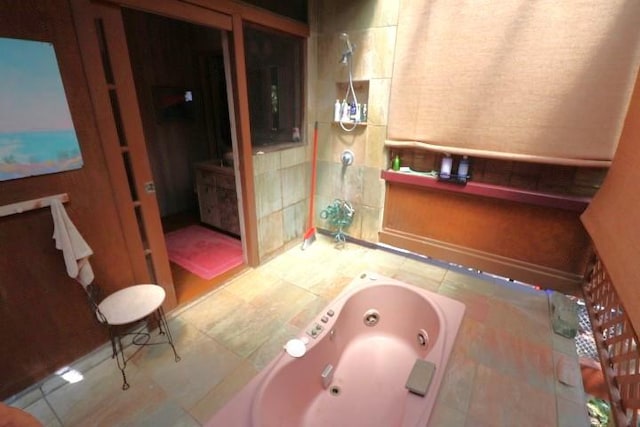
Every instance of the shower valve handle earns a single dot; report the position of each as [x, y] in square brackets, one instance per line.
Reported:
[347, 158]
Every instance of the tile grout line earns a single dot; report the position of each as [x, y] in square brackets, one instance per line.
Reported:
[55, 414]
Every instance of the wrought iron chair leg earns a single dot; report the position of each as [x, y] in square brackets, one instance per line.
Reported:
[125, 384]
[164, 325]
[121, 361]
[112, 338]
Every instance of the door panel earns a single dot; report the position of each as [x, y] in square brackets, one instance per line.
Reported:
[106, 59]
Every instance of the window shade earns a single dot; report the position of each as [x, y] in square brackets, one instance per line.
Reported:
[612, 217]
[534, 78]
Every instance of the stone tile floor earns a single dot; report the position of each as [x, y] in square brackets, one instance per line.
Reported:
[502, 371]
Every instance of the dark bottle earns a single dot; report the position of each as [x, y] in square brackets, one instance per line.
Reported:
[463, 168]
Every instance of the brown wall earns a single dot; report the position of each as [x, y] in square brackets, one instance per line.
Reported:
[539, 244]
[46, 322]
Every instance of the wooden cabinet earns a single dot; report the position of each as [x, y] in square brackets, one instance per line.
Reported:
[529, 236]
[217, 197]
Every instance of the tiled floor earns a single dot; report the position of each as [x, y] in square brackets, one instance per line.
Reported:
[501, 372]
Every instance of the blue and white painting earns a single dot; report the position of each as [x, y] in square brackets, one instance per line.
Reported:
[37, 136]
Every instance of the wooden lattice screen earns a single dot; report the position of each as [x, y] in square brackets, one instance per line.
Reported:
[617, 344]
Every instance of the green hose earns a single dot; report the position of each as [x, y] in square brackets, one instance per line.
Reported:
[339, 215]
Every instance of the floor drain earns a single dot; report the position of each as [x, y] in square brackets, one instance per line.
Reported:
[334, 391]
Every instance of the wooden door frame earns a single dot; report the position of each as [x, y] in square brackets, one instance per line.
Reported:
[241, 142]
[225, 15]
[228, 15]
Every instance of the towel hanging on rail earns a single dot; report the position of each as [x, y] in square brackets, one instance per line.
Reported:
[74, 248]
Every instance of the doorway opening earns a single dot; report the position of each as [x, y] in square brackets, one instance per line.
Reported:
[179, 74]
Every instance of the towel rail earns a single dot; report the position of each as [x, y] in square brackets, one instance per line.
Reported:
[28, 205]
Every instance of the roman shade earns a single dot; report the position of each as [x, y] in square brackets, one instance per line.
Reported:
[544, 80]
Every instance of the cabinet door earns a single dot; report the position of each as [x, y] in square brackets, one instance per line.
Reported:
[204, 176]
[208, 205]
[228, 210]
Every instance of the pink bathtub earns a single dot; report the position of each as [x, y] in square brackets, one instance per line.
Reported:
[360, 352]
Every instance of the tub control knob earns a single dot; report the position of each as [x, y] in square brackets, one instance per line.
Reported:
[315, 330]
[324, 319]
[330, 313]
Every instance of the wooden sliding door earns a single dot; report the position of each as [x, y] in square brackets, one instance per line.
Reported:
[106, 61]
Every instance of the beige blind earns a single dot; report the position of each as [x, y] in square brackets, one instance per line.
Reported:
[613, 220]
[531, 77]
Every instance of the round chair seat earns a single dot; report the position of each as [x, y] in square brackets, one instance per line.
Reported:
[131, 304]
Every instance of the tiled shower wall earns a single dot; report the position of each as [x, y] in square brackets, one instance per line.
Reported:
[281, 191]
[281, 181]
[371, 26]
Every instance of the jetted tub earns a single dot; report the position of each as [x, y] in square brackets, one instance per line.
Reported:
[356, 364]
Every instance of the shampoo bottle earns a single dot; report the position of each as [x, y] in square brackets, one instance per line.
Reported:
[445, 167]
[345, 111]
[336, 111]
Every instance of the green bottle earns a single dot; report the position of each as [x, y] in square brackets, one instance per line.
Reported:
[396, 163]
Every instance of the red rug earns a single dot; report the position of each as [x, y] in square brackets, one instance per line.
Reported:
[204, 252]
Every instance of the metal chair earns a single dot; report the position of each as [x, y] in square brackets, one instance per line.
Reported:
[129, 311]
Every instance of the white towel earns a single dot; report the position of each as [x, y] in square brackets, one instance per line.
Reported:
[74, 248]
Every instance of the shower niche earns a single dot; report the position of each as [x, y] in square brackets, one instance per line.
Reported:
[360, 116]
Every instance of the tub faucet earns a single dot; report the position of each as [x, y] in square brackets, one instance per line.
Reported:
[327, 375]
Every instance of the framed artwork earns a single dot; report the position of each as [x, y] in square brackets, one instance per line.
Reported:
[37, 136]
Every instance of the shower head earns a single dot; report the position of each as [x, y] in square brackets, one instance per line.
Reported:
[345, 37]
[346, 55]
